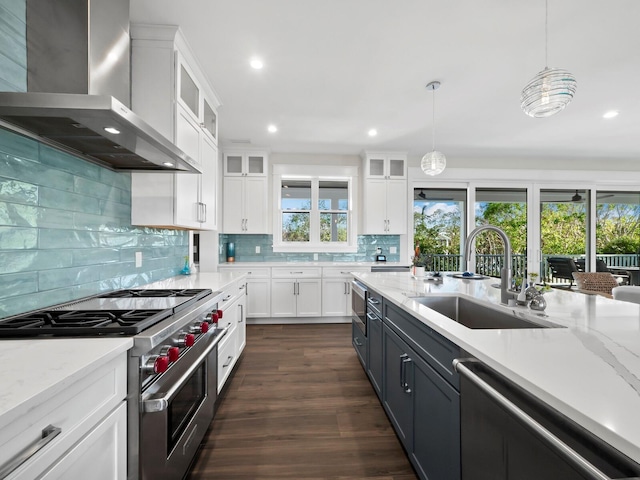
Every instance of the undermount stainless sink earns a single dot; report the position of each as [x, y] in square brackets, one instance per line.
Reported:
[478, 316]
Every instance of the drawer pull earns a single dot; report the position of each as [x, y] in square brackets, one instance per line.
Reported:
[296, 273]
[227, 298]
[229, 360]
[48, 433]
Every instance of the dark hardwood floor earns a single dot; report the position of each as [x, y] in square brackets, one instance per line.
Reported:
[300, 406]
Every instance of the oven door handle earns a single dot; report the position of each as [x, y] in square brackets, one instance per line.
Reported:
[154, 403]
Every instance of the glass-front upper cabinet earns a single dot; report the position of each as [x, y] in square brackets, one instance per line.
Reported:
[210, 119]
[195, 99]
[189, 91]
[385, 165]
[245, 164]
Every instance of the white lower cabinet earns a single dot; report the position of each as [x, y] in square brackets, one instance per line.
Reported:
[258, 297]
[296, 292]
[233, 320]
[336, 290]
[91, 416]
[100, 455]
[289, 292]
[258, 290]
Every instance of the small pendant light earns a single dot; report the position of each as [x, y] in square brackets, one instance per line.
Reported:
[551, 90]
[433, 163]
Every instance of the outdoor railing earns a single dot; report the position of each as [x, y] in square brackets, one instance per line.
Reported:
[492, 264]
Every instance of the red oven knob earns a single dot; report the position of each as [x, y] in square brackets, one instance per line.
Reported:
[161, 364]
[204, 327]
[213, 317]
[220, 312]
[186, 340]
[173, 354]
[156, 364]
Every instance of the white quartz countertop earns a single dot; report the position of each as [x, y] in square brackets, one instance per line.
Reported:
[214, 281]
[590, 370]
[33, 371]
[240, 265]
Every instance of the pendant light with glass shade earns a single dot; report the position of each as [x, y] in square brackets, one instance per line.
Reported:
[551, 90]
[434, 162]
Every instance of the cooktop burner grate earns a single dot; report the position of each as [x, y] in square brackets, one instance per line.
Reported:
[130, 293]
[81, 322]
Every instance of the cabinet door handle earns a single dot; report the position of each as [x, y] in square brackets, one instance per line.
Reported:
[241, 319]
[407, 388]
[372, 317]
[246, 224]
[48, 433]
[557, 445]
[204, 213]
[229, 360]
[357, 341]
[402, 357]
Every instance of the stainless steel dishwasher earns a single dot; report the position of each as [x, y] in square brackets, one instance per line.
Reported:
[506, 433]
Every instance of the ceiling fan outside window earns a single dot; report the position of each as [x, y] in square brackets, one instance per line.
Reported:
[576, 198]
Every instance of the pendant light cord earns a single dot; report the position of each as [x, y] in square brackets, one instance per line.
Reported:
[546, 33]
[433, 123]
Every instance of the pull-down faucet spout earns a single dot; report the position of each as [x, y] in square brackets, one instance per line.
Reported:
[506, 271]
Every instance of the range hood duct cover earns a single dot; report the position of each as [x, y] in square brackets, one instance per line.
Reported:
[78, 84]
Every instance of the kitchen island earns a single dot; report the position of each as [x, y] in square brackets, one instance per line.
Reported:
[589, 369]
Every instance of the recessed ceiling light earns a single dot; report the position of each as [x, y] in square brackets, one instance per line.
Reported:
[115, 131]
[373, 132]
[272, 128]
[168, 164]
[611, 114]
[256, 63]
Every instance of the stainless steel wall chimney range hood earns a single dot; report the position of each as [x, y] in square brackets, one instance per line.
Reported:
[78, 88]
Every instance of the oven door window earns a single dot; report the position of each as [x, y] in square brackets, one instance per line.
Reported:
[185, 404]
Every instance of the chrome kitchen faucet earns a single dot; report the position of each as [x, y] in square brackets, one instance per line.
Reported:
[506, 271]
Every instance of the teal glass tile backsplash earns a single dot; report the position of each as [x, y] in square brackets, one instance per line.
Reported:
[245, 246]
[13, 54]
[65, 229]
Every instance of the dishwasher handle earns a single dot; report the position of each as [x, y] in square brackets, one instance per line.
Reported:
[558, 446]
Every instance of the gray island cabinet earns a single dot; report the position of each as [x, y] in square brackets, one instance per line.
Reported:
[423, 407]
[450, 428]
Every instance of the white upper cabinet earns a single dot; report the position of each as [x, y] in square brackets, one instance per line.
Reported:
[245, 191]
[385, 165]
[245, 164]
[385, 194]
[171, 92]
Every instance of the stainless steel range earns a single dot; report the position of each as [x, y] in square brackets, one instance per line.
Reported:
[172, 367]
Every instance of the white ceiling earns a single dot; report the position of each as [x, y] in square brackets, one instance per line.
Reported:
[336, 68]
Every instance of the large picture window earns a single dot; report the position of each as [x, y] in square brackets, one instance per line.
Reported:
[315, 214]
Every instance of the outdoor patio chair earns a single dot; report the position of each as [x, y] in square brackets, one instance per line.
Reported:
[627, 293]
[595, 283]
[562, 267]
